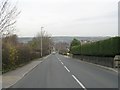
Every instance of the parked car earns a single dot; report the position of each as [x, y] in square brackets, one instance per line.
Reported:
[117, 61]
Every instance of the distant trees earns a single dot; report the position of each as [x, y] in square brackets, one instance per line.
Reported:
[8, 14]
[47, 43]
[62, 47]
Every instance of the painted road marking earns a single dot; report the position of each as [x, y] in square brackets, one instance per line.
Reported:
[58, 59]
[74, 76]
[62, 63]
[66, 68]
[79, 82]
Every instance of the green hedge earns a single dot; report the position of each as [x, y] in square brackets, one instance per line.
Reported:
[74, 42]
[108, 47]
[75, 50]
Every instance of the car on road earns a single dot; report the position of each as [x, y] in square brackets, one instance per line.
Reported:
[53, 53]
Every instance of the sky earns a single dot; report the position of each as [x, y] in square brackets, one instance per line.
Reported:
[68, 17]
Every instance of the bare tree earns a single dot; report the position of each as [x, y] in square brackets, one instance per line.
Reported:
[62, 47]
[8, 14]
[47, 43]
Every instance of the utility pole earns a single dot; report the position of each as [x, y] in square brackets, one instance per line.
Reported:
[49, 45]
[41, 40]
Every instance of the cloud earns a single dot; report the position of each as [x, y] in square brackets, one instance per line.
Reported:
[111, 15]
[65, 17]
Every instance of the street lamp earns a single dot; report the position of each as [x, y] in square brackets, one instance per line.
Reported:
[41, 40]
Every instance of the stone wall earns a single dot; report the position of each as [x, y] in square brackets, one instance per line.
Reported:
[105, 61]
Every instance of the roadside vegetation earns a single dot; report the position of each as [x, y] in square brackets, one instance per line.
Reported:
[14, 53]
[109, 47]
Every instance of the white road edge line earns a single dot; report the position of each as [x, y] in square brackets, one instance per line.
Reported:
[79, 82]
[46, 57]
[66, 68]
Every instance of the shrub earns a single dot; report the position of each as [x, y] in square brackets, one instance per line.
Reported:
[13, 55]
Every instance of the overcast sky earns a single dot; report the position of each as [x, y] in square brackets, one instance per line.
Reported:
[68, 17]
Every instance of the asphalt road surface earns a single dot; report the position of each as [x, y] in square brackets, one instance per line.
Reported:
[57, 71]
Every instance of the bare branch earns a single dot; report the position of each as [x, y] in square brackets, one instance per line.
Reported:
[8, 14]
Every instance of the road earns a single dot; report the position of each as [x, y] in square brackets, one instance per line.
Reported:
[57, 71]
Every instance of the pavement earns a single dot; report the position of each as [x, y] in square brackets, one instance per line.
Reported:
[57, 71]
[10, 78]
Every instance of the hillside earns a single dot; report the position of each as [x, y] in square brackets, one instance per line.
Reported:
[67, 39]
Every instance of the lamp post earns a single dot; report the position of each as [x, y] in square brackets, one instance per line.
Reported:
[49, 45]
[41, 40]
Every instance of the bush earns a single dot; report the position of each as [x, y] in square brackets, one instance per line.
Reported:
[23, 54]
[15, 54]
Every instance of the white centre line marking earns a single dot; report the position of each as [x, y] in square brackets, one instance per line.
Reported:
[62, 63]
[79, 82]
[59, 59]
[66, 68]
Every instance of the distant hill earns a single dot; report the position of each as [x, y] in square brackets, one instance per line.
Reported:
[67, 39]
[24, 39]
